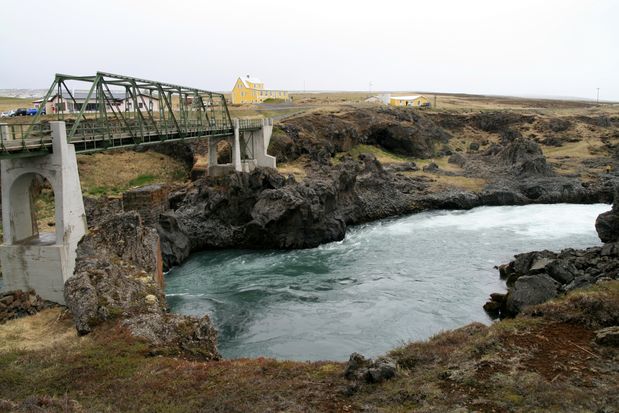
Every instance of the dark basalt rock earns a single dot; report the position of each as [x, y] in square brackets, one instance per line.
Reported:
[607, 224]
[530, 290]
[535, 277]
[525, 158]
[264, 209]
[175, 245]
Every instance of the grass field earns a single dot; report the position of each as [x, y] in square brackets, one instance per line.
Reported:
[14, 103]
[527, 364]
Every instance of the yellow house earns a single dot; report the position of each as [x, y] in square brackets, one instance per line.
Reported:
[251, 90]
[415, 101]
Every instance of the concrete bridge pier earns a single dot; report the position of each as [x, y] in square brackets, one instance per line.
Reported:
[42, 261]
[249, 149]
[256, 142]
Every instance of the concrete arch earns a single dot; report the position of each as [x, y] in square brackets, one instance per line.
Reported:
[22, 209]
[26, 261]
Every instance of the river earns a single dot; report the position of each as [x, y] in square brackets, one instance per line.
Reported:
[387, 283]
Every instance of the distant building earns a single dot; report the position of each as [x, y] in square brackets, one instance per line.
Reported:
[251, 90]
[382, 98]
[415, 101]
[115, 101]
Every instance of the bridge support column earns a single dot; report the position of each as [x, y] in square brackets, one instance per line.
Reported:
[257, 143]
[212, 152]
[29, 259]
[249, 149]
[236, 147]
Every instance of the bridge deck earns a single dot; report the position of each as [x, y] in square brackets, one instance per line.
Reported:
[23, 140]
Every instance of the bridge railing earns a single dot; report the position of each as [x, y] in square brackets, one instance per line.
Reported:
[91, 134]
[250, 123]
[22, 139]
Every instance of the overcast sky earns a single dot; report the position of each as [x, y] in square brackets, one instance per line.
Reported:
[520, 47]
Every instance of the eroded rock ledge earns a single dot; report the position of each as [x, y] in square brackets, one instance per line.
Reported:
[264, 209]
[118, 278]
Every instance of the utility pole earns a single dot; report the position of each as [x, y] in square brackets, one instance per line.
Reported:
[597, 100]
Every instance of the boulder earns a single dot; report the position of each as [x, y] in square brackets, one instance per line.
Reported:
[539, 265]
[366, 370]
[607, 224]
[563, 271]
[525, 158]
[530, 290]
[524, 262]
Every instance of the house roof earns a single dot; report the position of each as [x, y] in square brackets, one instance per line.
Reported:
[411, 97]
[252, 80]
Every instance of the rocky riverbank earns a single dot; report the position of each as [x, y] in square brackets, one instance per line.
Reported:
[503, 154]
[538, 276]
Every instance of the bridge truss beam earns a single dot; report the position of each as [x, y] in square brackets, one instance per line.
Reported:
[122, 110]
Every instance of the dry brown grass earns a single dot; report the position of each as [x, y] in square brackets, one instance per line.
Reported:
[44, 330]
[14, 103]
[113, 172]
[540, 363]
[295, 168]
[383, 156]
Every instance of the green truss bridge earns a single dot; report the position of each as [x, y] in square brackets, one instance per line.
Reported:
[112, 111]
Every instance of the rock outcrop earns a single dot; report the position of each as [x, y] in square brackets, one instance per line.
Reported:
[366, 370]
[535, 277]
[118, 277]
[607, 224]
[525, 158]
[264, 209]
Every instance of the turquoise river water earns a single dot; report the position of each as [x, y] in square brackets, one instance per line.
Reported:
[387, 283]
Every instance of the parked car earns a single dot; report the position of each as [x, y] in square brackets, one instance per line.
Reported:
[21, 112]
[31, 111]
[7, 114]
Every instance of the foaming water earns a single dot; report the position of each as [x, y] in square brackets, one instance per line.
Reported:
[387, 283]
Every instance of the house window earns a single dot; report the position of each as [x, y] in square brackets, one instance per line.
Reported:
[140, 105]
